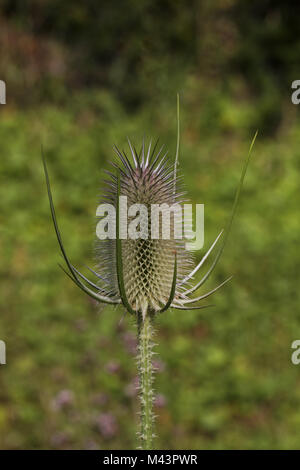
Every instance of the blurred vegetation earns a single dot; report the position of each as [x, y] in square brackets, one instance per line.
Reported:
[80, 77]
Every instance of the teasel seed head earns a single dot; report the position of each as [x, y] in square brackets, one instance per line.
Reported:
[146, 275]
[148, 264]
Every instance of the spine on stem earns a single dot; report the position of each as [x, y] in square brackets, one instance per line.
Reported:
[145, 353]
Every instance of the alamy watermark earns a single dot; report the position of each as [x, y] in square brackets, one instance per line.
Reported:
[153, 221]
[296, 94]
[2, 92]
[2, 353]
[295, 357]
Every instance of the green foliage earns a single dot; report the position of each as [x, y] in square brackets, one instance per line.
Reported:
[82, 76]
[227, 379]
[141, 48]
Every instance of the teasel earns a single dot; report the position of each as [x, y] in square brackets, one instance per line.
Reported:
[146, 276]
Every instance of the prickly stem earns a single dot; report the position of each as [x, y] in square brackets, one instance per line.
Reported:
[145, 346]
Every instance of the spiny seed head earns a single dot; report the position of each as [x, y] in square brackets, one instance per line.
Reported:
[147, 264]
[146, 275]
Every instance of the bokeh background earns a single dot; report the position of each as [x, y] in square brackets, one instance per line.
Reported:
[80, 77]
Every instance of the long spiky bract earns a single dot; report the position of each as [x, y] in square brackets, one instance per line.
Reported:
[73, 272]
[147, 275]
[177, 142]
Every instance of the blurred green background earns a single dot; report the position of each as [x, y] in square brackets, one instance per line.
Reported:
[80, 77]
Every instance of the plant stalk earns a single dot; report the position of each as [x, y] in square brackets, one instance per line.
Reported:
[145, 353]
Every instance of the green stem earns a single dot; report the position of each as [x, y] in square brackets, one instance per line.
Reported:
[145, 334]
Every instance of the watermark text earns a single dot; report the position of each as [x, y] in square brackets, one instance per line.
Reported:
[2, 92]
[2, 353]
[153, 221]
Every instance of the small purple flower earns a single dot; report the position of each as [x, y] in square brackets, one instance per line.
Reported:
[107, 425]
[59, 439]
[91, 445]
[112, 367]
[160, 400]
[63, 399]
